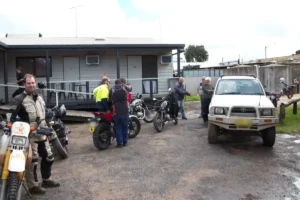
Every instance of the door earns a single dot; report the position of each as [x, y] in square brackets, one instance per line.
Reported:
[71, 72]
[134, 64]
[149, 70]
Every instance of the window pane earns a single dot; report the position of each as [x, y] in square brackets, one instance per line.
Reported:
[40, 67]
[146, 85]
[26, 64]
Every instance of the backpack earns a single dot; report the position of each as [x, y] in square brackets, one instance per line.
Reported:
[119, 93]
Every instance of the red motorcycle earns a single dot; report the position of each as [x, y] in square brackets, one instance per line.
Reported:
[103, 129]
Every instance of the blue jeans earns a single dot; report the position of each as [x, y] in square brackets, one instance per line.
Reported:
[181, 107]
[121, 125]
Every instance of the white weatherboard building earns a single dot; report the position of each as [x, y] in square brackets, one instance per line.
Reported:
[78, 64]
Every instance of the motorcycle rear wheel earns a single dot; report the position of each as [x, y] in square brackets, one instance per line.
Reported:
[102, 136]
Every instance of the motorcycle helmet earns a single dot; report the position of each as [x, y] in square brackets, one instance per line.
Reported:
[61, 112]
[49, 113]
[281, 80]
[41, 85]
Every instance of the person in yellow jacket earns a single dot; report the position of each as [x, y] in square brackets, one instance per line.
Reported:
[101, 94]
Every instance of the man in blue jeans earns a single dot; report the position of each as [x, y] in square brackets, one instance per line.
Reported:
[180, 92]
[118, 97]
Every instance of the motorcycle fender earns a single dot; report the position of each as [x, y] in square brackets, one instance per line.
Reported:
[132, 116]
[3, 151]
[17, 161]
[29, 157]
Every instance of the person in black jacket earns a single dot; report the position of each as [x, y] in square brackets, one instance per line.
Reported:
[180, 93]
[118, 96]
[20, 82]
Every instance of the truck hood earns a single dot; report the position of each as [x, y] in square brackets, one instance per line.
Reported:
[241, 100]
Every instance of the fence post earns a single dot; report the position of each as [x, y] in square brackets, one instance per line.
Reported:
[295, 108]
[87, 89]
[151, 90]
[56, 98]
[282, 112]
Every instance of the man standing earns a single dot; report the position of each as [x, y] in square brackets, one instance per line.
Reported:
[118, 97]
[20, 81]
[206, 98]
[200, 92]
[30, 107]
[101, 94]
[180, 93]
[128, 88]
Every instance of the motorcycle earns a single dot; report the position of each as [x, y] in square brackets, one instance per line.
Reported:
[15, 155]
[140, 109]
[287, 90]
[166, 112]
[103, 129]
[274, 97]
[59, 139]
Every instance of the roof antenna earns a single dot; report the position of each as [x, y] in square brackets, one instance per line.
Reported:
[75, 8]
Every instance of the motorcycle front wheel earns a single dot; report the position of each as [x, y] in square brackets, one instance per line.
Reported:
[60, 148]
[158, 122]
[13, 186]
[134, 127]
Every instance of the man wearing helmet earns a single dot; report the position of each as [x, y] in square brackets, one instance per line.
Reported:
[30, 107]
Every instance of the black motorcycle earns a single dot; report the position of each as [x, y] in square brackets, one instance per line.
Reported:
[59, 138]
[287, 90]
[166, 111]
[140, 109]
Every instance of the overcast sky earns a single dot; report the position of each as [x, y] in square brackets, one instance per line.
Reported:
[226, 28]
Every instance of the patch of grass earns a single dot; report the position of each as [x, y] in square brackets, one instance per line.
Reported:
[192, 98]
[291, 121]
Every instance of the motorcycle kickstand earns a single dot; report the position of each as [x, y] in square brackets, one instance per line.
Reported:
[26, 189]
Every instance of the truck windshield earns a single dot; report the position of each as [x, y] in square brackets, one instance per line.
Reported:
[239, 87]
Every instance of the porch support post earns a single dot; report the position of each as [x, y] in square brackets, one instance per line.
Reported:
[118, 64]
[47, 77]
[5, 73]
[178, 62]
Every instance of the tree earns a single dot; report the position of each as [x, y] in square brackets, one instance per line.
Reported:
[196, 52]
[298, 52]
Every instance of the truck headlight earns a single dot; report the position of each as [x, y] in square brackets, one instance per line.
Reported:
[266, 112]
[18, 140]
[218, 111]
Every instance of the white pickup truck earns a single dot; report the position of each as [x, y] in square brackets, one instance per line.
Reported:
[239, 104]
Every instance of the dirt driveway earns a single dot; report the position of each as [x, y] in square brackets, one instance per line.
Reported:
[177, 164]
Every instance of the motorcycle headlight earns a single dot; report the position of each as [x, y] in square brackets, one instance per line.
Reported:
[266, 112]
[19, 140]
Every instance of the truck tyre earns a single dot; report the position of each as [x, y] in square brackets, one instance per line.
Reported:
[212, 133]
[269, 136]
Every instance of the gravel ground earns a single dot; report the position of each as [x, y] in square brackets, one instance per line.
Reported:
[177, 163]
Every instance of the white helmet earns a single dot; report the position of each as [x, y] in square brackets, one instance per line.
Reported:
[281, 80]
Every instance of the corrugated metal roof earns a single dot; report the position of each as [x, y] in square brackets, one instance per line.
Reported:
[82, 42]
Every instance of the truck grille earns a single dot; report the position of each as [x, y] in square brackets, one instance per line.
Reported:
[243, 112]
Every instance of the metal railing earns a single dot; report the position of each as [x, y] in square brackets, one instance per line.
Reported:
[81, 88]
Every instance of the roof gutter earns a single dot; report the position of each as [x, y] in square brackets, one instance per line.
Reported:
[108, 46]
[3, 46]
